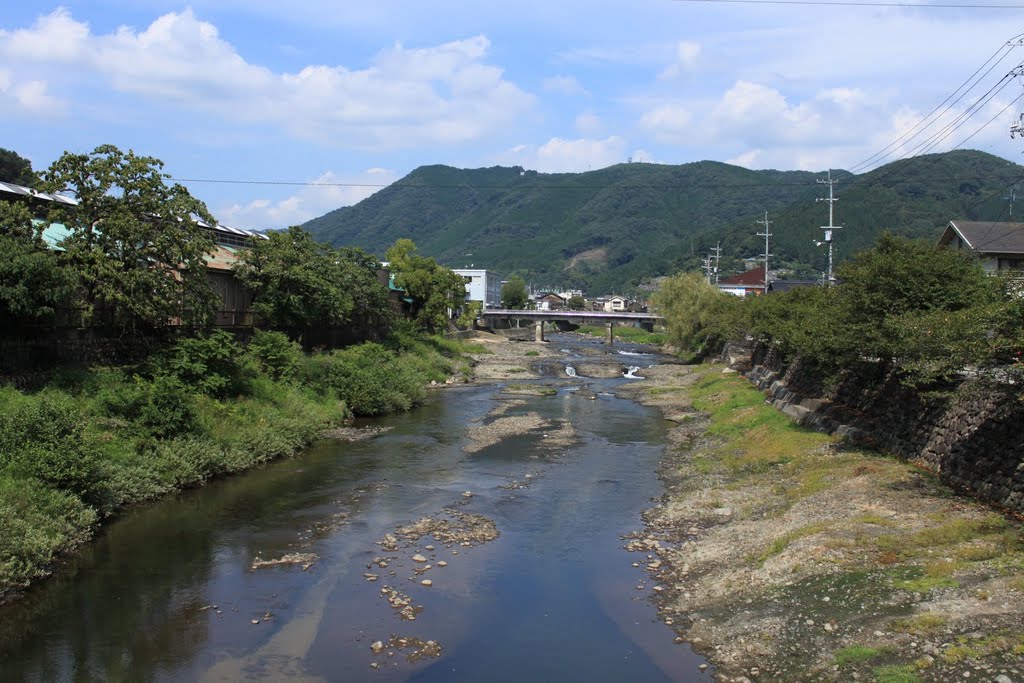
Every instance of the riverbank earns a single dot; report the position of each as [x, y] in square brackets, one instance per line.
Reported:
[783, 555]
[95, 442]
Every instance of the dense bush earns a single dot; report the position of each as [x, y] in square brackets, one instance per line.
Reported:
[211, 364]
[42, 437]
[370, 379]
[277, 355]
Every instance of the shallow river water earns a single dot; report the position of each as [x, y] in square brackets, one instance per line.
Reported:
[168, 593]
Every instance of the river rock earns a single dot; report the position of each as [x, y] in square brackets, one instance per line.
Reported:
[427, 582]
[377, 647]
[418, 558]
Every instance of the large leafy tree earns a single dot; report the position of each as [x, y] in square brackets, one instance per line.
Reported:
[699, 316]
[297, 282]
[435, 291]
[513, 293]
[33, 281]
[135, 243]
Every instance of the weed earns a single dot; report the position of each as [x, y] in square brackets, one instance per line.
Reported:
[783, 542]
[854, 654]
[925, 624]
[533, 353]
[895, 674]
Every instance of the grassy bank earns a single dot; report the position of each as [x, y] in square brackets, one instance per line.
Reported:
[93, 442]
[629, 334]
[808, 560]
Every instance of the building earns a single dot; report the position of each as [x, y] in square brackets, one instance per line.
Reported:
[744, 284]
[550, 301]
[999, 246]
[481, 285]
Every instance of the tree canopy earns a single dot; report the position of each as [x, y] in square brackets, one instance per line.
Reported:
[16, 169]
[436, 291]
[513, 293]
[135, 244]
[297, 282]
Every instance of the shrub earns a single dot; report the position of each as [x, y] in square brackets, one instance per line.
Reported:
[43, 436]
[38, 523]
[370, 379]
[276, 354]
[213, 365]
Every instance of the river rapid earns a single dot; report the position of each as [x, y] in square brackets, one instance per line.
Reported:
[506, 546]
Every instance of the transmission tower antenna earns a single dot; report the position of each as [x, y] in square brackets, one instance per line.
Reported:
[831, 199]
[767, 235]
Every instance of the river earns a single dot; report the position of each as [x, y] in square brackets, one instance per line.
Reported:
[169, 593]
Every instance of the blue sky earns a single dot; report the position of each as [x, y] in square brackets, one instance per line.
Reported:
[357, 94]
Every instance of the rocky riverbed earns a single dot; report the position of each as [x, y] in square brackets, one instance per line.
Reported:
[821, 562]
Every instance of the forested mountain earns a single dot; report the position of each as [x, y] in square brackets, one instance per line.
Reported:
[606, 230]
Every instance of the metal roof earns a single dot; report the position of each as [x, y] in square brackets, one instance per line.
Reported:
[990, 237]
[23, 191]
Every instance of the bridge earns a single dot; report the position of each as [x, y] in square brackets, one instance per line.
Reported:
[538, 318]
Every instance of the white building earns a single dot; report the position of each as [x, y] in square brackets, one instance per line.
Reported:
[481, 285]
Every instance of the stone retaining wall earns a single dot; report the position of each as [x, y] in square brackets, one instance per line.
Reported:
[973, 437]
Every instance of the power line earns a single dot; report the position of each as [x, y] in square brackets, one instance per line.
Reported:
[910, 134]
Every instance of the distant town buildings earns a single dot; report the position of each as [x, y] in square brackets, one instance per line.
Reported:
[481, 285]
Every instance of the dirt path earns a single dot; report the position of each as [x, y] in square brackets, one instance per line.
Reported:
[782, 555]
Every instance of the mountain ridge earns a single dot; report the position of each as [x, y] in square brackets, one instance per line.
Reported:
[607, 230]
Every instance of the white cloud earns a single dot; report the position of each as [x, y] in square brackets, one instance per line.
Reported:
[686, 57]
[559, 155]
[588, 123]
[565, 85]
[669, 123]
[28, 97]
[405, 97]
[328, 192]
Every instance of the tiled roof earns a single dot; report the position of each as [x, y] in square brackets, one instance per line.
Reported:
[751, 278]
[989, 237]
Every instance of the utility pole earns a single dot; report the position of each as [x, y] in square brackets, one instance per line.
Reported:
[1012, 196]
[707, 267]
[767, 235]
[831, 199]
[717, 252]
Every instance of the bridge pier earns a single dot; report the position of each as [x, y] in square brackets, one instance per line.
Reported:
[609, 337]
[538, 331]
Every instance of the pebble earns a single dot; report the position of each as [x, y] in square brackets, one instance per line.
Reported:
[467, 494]
[377, 646]
[429, 547]
[427, 582]
[442, 563]
[1003, 678]
[255, 621]
[418, 558]
[828, 627]
[702, 667]
[374, 665]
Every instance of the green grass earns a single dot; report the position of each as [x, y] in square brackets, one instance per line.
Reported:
[966, 648]
[926, 584]
[778, 545]
[529, 390]
[895, 674]
[854, 654]
[633, 334]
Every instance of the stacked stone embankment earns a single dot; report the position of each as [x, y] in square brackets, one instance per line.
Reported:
[971, 436]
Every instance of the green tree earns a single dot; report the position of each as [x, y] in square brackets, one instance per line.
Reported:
[293, 280]
[514, 294]
[33, 281]
[436, 291]
[576, 303]
[16, 169]
[135, 243]
[699, 316]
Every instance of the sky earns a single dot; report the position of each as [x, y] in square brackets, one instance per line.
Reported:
[316, 104]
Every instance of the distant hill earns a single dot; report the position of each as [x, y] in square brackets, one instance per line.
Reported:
[607, 230]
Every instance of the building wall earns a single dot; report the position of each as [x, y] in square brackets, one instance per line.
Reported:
[481, 285]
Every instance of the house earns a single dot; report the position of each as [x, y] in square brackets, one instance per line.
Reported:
[999, 246]
[481, 285]
[549, 301]
[615, 304]
[750, 283]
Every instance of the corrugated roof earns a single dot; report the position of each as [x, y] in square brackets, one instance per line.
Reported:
[990, 237]
[221, 258]
[23, 191]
